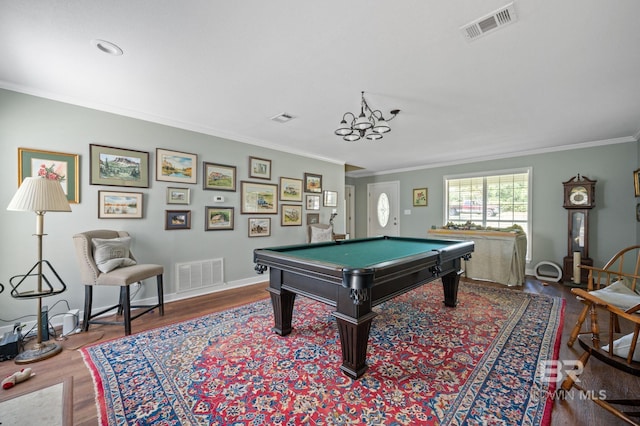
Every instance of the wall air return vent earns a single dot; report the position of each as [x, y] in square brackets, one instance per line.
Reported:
[199, 275]
[489, 23]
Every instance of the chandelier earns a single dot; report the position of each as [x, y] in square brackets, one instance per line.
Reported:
[370, 124]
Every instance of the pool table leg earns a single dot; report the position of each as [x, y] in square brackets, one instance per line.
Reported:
[354, 338]
[282, 301]
[450, 286]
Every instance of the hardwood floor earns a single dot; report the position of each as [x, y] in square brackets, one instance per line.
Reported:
[69, 363]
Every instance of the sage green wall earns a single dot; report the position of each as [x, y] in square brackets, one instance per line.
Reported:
[37, 123]
[612, 222]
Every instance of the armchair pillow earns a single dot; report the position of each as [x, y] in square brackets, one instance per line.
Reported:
[321, 235]
[111, 253]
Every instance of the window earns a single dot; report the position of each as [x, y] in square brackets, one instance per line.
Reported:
[495, 199]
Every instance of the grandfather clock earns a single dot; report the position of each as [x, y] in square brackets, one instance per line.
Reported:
[579, 199]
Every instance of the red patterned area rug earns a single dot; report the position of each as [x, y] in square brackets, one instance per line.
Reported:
[478, 363]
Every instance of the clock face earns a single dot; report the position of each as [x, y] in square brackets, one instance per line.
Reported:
[578, 196]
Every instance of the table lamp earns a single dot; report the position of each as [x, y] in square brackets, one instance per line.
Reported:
[39, 195]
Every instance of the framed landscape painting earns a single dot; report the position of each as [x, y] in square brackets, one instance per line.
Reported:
[178, 195]
[259, 226]
[290, 189]
[51, 165]
[218, 218]
[176, 166]
[291, 215]
[312, 183]
[119, 205]
[259, 168]
[219, 177]
[177, 219]
[313, 218]
[258, 197]
[113, 166]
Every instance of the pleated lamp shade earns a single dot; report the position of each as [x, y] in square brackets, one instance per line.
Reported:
[37, 194]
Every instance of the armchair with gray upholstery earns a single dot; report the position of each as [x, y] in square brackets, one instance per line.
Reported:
[104, 259]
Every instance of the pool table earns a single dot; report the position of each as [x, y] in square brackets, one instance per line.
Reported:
[354, 276]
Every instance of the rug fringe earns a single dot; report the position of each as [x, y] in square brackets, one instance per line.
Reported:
[101, 406]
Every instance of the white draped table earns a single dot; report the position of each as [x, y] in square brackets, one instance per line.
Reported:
[498, 256]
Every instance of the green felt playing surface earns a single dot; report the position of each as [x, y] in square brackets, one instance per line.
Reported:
[366, 253]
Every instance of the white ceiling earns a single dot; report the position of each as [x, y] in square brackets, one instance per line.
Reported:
[567, 73]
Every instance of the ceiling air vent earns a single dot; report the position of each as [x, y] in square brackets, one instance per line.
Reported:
[282, 117]
[495, 20]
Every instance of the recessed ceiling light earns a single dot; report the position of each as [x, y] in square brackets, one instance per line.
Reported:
[107, 47]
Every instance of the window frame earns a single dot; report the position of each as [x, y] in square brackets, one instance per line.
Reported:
[492, 173]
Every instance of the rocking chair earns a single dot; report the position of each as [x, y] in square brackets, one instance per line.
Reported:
[612, 290]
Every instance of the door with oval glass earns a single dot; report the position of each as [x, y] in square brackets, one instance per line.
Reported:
[383, 209]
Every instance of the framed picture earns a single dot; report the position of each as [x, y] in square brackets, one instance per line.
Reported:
[119, 205]
[312, 183]
[258, 197]
[177, 219]
[259, 226]
[420, 196]
[178, 195]
[636, 182]
[175, 166]
[313, 202]
[313, 218]
[218, 218]
[218, 177]
[330, 199]
[638, 212]
[259, 168]
[112, 166]
[52, 165]
[291, 215]
[290, 189]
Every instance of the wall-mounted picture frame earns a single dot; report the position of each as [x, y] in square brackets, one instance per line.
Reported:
[258, 198]
[218, 218]
[313, 218]
[420, 197]
[313, 202]
[58, 166]
[176, 166]
[330, 198]
[290, 189]
[112, 166]
[638, 212]
[259, 227]
[636, 182]
[177, 219]
[119, 205]
[259, 168]
[312, 183]
[291, 215]
[178, 195]
[218, 177]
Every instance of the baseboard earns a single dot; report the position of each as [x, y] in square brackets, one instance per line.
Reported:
[58, 321]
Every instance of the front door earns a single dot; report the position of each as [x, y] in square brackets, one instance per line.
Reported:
[383, 209]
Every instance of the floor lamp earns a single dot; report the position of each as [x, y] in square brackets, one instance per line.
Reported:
[39, 195]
